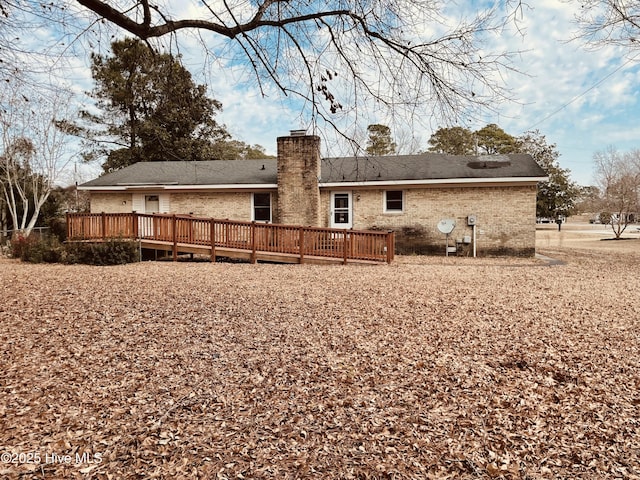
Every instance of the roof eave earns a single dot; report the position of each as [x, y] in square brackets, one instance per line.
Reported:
[437, 181]
[368, 183]
[125, 188]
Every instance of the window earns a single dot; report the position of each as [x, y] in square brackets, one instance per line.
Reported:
[393, 201]
[262, 207]
[151, 204]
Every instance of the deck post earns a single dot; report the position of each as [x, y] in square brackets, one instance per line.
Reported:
[352, 244]
[253, 242]
[104, 225]
[390, 246]
[175, 237]
[344, 246]
[301, 245]
[68, 216]
[134, 225]
[213, 240]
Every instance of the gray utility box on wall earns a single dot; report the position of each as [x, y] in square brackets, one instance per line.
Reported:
[471, 220]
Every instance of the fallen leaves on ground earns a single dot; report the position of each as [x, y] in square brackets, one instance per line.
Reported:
[427, 368]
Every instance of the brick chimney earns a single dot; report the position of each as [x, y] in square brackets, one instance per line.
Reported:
[298, 176]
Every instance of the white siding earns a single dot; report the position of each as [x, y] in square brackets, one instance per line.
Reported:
[165, 204]
[137, 202]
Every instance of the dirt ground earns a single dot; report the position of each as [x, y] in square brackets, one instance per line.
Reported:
[428, 368]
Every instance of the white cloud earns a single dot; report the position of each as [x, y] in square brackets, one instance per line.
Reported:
[581, 100]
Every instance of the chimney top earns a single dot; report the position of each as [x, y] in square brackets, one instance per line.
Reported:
[298, 133]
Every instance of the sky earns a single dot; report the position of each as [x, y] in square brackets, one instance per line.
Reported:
[582, 101]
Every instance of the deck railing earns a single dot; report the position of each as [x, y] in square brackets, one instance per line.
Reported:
[180, 230]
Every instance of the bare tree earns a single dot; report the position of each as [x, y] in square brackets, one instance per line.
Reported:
[22, 21]
[337, 53]
[618, 177]
[608, 22]
[34, 150]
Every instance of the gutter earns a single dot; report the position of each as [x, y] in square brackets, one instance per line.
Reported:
[366, 183]
[437, 181]
[152, 186]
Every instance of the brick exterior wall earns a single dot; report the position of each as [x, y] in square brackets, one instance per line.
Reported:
[298, 174]
[505, 217]
[231, 205]
[505, 214]
[223, 205]
[112, 202]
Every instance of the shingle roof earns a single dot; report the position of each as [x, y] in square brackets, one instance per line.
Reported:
[214, 172]
[427, 166]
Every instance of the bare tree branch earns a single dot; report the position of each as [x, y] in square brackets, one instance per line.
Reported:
[398, 52]
[608, 22]
[145, 29]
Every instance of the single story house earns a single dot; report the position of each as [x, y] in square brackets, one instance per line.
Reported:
[491, 197]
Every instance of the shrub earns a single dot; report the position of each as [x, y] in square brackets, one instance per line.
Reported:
[58, 228]
[605, 218]
[37, 250]
[50, 250]
[111, 252]
[19, 245]
[77, 253]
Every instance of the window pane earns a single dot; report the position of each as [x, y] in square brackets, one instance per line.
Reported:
[262, 207]
[394, 200]
[262, 199]
[341, 217]
[341, 200]
[262, 214]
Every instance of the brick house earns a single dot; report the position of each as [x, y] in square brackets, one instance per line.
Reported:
[409, 194]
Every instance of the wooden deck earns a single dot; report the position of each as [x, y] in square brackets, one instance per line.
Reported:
[250, 241]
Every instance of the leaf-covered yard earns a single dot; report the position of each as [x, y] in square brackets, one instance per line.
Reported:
[427, 368]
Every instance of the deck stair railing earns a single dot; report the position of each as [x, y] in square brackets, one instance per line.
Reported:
[176, 231]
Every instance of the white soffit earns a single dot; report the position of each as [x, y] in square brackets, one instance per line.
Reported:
[237, 186]
[438, 181]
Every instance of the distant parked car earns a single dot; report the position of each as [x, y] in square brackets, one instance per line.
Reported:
[562, 219]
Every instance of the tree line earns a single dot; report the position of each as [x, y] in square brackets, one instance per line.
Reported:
[556, 197]
[614, 200]
[147, 108]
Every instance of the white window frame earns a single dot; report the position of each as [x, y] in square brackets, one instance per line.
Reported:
[253, 207]
[332, 212]
[138, 202]
[384, 202]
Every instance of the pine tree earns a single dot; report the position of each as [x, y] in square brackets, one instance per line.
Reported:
[380, 142]
[150, 109]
